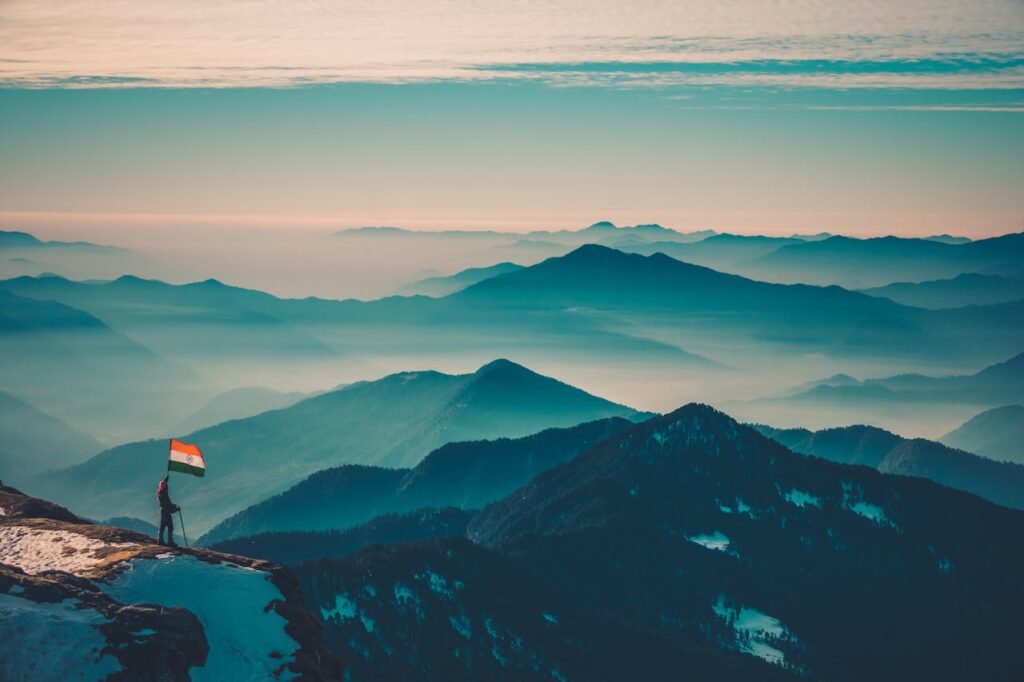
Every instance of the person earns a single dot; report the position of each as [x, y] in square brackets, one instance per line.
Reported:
[167, 509]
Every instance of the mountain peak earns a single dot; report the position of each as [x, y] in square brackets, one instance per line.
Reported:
[602, 225]
[592, 251]
[503, 366]
[700, 411]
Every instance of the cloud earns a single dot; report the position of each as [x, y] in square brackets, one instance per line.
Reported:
[270, 43]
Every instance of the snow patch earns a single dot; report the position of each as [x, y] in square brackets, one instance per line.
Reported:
[367, 622]
[871, 511]
[801, 498]
[35, 550]
[740, 508]
[52, 641]
[550, 618]
[233, 604]
[344, 609]
[634, 491]
[491, 630]
[853, 500]
[404, 597]
[945, 566]
[437, 583]
[405, 594]
[3, 512]
[755, 629]
[461, 625]
[718, 540]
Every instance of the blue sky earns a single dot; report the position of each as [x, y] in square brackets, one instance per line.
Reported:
[864, 118]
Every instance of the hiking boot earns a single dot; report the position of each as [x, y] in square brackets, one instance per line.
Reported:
[160, 541]
[172, 543]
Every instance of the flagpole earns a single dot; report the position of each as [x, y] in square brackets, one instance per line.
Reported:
[183, 533]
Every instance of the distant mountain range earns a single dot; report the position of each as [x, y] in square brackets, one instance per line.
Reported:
[997, 434]
[679, 299]
[601, 232]
[24, 240]
[863, 263]
[822, 259]
[727, 252]
[467, 475]
[237, 403]
[78, 369]
[965, 289]
[200, 322]
[997, 384]
[595, 306]
[996, 481]
[442, 286]
[32, 441]
[696, 546]
[394, 421]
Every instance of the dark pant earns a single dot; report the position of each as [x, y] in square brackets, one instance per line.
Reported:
[166, 521]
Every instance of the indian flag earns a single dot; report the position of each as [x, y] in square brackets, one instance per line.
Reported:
[186, 458]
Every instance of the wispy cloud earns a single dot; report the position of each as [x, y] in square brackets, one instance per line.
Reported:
[940, 44]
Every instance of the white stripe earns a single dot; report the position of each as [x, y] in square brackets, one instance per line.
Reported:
[183, 457]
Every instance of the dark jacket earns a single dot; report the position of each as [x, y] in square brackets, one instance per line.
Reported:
[164, 496]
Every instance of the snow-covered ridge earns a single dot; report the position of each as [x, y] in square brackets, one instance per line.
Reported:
[82, 599]
[35, 550]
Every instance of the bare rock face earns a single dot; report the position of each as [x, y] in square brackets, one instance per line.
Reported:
[78, 598]
[177, 642]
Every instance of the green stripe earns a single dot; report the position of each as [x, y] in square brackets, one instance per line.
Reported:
[185, 468]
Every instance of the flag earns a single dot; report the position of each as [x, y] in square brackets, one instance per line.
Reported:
[186, 458]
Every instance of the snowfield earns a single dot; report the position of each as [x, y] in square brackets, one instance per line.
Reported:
[234, 604]
[756, 628]
[35, 550]
[718, 540]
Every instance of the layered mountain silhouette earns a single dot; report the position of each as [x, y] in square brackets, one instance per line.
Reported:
[997, 481]
[32, 441]
[689, 546]
[442, 286]
[997, 434]
[861, 263]
[466, 475]
[23, 240]
[967, 289]
[603, 231]
[73, 366]
[1000, 482]
[996, 384]
[202, 321]
[665, 298]
[394, 421]
[726, 252]
[237, 403]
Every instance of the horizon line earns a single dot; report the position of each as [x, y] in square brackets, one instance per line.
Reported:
[546, 222]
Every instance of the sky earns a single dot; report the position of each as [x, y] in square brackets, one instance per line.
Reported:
[865, 118]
